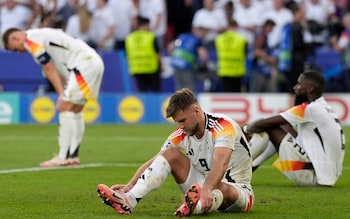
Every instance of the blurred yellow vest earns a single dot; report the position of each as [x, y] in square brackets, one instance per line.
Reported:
[141, 55]
[231, 54]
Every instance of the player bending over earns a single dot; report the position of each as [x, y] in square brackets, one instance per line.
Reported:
[74, 69]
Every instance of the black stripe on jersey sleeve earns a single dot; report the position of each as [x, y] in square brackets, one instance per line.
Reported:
[56, 45]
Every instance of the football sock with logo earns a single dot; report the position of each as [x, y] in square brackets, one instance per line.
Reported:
[65, 133]
[258, 143]
[151, 179]
[266, 154]
[218, 198]
[77, 134]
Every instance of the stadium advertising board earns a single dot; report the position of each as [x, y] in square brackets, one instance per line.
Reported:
[9, 108]
[248, 107]
[136, 108]
[110, 108]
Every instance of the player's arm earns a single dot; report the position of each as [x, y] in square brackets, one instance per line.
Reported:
[53, 76]
[107, 36]
[221, 158]
[339, 45]
[261, 54]
[203, 54]
[171, 46]
[262, 125]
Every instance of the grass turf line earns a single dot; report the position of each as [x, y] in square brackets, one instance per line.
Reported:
[71, 192]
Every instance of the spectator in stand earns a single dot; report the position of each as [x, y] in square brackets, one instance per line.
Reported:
[155, 11]
[281, 16]
[342, 7]
[102, 27]
[187, 53]
[342, 45]
[211, 18]
[292, 51]
[16, 14]
[246, 12]
[180, 16]
[44, 15]
[49, 6]
[91, 5]
[196, 4]
[265, 5]
[124, 14]
[68, 9]
[143, 57]
[231, 49]
[264, 66]
[335, 26]
[56, 13]
[79, 24]
[318, 14]
[37, 18]
[229, 10]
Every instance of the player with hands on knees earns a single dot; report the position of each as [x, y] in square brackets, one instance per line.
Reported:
[74, 69]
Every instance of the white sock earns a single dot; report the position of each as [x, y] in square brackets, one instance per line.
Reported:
[77, 134]
[218, 198]
[258, 143]
[150, 179]
[65, 133]
[266, 154]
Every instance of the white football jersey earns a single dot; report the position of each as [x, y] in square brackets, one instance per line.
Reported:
[321, 135]
[220, 131]
[66, 52]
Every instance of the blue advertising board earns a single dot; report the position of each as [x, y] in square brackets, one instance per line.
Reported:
[128, 108]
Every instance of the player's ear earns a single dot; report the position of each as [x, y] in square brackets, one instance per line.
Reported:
[310, 89]
[196, 108]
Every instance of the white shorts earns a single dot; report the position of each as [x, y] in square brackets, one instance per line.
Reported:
[245, 199]
[294, 162]
[84, 82]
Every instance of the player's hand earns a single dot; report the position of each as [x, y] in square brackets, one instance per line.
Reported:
[122, 187]
[206, 199]
[60, 104]
[333, 40]
[247, 135]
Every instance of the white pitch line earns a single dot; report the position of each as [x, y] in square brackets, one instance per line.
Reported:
[97, 138]
[91, 165]
[36, 169]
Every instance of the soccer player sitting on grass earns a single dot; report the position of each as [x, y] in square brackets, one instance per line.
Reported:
[208, 156]
[312, 154]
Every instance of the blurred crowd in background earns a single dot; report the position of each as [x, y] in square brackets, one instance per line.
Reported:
[105, 25]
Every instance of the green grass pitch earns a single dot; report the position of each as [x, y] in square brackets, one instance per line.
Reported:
[111, 154]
